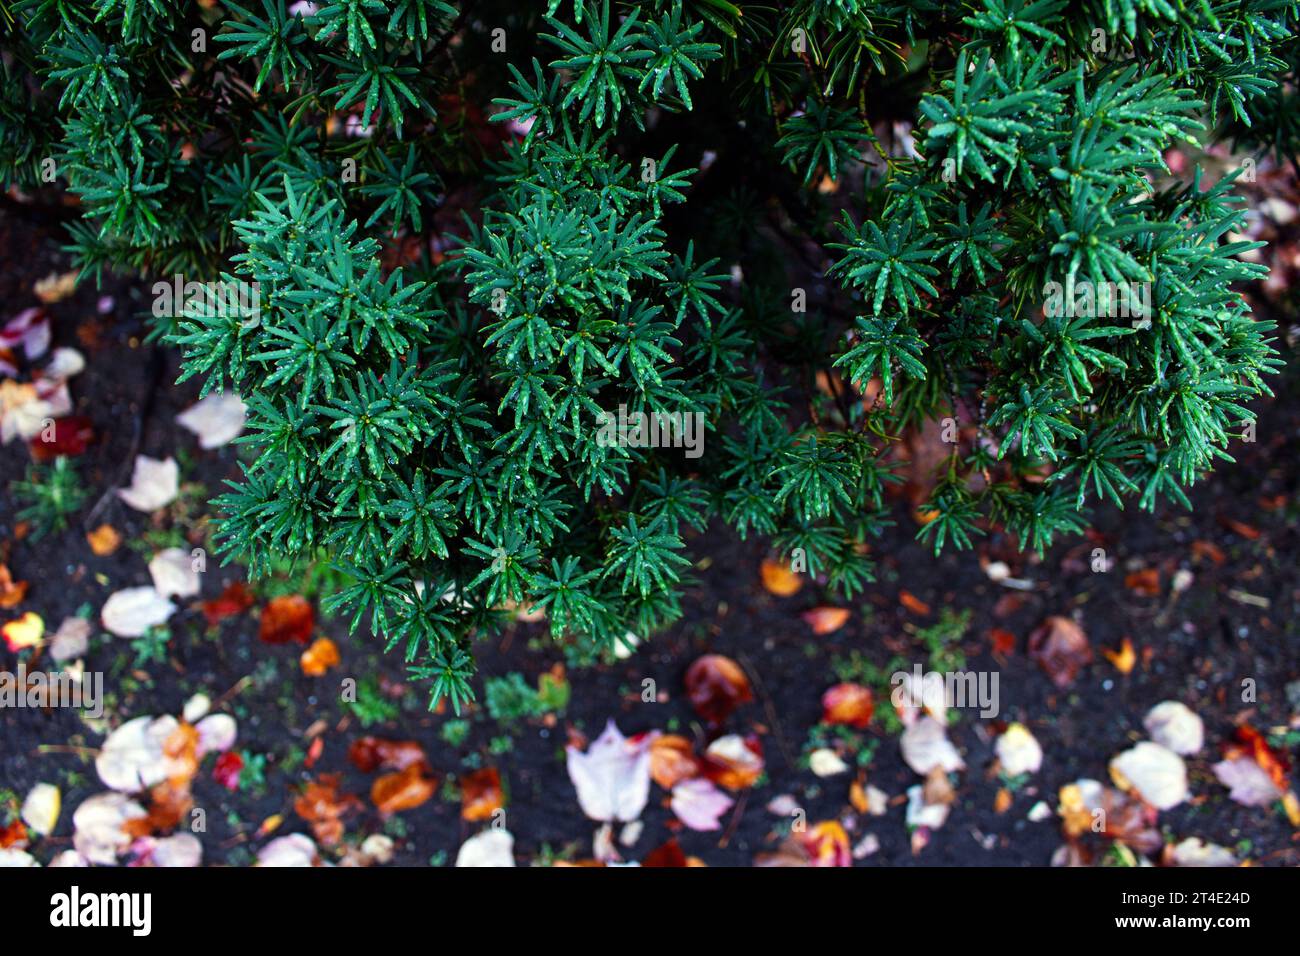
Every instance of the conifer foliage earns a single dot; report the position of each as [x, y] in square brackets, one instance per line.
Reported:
[479, 228]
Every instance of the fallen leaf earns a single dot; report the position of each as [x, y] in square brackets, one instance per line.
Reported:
[217, 419]
[56, 286]
[824, 762]
[154, 484]
[320, 657]
[228, 769]
[296, 849]
[134, 757]
[287, 618]
[668, 855]
[672, 760]
[1018, 751]
[174, 574]
[1157, 774]
[913, 603]
[1247, 782]
[734, 762]
[1145, 582]
[612, 777]
[1125, 658]
[1196, 852]
[324, 807]
[11, 592]
[778, 579]
[235, 599]
[827, 844]
[24, 632]
[99, 826]
[1060, 648]
[41, 808]
[132, 611]
[717, 685]
[826, 620]
[925, 745]
[480, 794]
[68, 436]
[492, 847]
[71, 640]
[104, 540]
[1173, 724]
[403, 790]
[1002, 641]
[369, 754]
[848, 704]
[699, 804]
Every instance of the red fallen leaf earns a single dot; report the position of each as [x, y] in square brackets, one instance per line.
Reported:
[227, 770]
[1250, 742]
[670, 854]
[480, 794]
[913, 603]
[235, 599]
[826, 620]
[1004, 642]
[14, 835]
[71, 436]
[1145, 582]
[734, 762]
[717, 685]
[1249, 532]
[827, 844]
[404, 790]
[1210, 550]
[849, 704]
[321, 805]
[369, 754]
[1060, 648]
[672, 760]
[287, 618]
[314, 752]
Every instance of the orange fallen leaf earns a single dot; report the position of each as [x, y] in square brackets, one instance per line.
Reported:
[1002, 802]
[1145, 582]
[404, 790]
[858, 797]
[826, 620]
[480, 794]
[11, 592]
[287, 618]
[849, 704]
[270, 824]
[1124, 658]
[1210, 550]
[104, 540]
[672, 760]
[913, 603]
[778, 579]
[321, 805]
[717, 685]
[1249, 532]
[319, 658]
[734, 762]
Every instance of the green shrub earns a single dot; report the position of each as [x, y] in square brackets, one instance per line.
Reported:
[962, 172]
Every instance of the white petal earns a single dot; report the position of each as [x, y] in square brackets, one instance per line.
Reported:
[154, 484]
[132, 611]
[216, 419]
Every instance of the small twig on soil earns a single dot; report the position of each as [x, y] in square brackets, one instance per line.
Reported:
[770, 710]
[238, 688]
[735, 819]
[67, 749]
